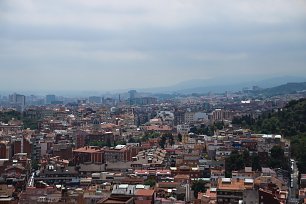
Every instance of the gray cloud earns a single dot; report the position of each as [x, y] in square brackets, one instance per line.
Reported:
[101, 45]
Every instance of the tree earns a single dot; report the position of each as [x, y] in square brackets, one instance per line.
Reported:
[28, 122]
[209, 130]
[97, 143]
[150, 182]
[219, 125]
[290, 121]
[179, 137]
[234, 162]
[132, 140]
[198, 186]
[35, 165]
[277, 152]
[162, 141]
[277, 158]
[256, 166]
[193, 129]
[108, 142]
[122, 142]
[150, 135]
[171, 139]
[246, 157]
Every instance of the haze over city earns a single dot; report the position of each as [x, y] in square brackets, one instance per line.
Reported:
[108, 45]
[153, 102]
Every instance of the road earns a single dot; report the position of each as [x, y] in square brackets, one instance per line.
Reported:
[31, 180]
[293, 191]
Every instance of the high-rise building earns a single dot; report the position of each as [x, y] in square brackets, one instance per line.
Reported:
[50, 99]
[95, 99]
[179, 117]
[132, 94]
[18, 100]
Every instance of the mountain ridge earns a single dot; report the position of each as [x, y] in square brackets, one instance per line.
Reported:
[220, 85]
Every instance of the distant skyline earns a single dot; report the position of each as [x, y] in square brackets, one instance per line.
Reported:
[104, 45]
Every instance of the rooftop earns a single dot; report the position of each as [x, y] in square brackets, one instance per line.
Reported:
[116, 200]
[235, 184]
[144, 192]
[88, 149]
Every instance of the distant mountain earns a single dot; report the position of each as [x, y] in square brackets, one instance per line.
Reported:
[288, 88]
[277, 81]
[220, 85]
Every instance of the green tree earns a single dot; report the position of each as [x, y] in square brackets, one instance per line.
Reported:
[234, 162]
[290, 122]
[198, 186]
[162, 141]
[246, 158]
[108, 142]
[219, 125]
[146, 137]
[28, 122]
[131, 140]
[97, 143]
[277, 152]
[171, 139]
[277, 158]
[122, 142]
[179, 137]
[150, 182]
[256, 166]
[35, 165]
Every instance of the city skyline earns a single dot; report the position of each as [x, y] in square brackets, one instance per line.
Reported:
[102, 45]
[142, 102]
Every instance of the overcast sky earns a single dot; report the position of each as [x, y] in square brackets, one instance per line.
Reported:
[110, 44]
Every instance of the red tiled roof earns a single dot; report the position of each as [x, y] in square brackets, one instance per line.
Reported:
[144, 192]
[88, 150]
[158, 128]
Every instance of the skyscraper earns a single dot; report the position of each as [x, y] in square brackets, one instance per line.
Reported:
[18, 100]
[50, 99]
[132, 94]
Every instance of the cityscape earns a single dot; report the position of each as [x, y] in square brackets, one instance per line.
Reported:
[162, 102]
[142, 148]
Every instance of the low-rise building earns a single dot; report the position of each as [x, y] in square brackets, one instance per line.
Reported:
[88, 154]
[236, 191]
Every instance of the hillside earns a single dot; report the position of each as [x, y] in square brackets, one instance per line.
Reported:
[288, 88]
[222, 84]
[289, 122]
[28, 122]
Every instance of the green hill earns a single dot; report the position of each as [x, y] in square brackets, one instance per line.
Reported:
[289, 88]
[289, 122]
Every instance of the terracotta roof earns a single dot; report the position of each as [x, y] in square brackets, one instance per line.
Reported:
[141, 172]
[158, 128]
[168, 184]
[117, 200]
[144, 192]
[163, 172]
[233, 184]
[88, 149]
[182, 176]
[108, 125]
